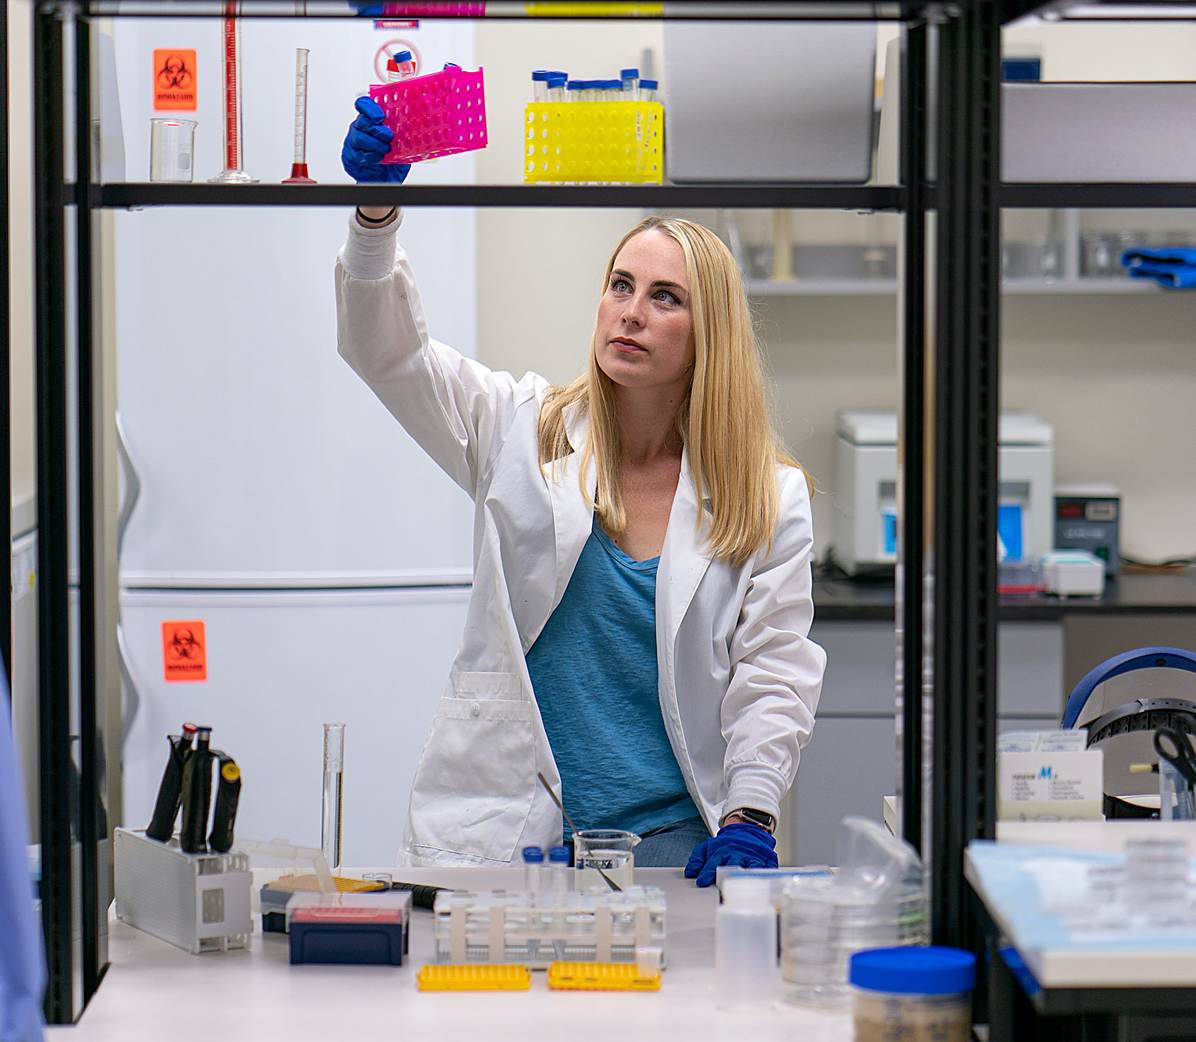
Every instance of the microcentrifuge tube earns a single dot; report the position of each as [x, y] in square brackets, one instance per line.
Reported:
[232, 172]
[299, 163]
[334, 772]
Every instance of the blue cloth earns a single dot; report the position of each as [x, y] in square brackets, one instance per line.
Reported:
[1170, 266]
[366, 144]
[748, 846]
[593, 669]
[22, 965]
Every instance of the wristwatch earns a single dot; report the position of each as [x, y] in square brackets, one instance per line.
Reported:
[757, 817]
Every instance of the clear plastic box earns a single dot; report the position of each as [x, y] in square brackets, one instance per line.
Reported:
[502, 926]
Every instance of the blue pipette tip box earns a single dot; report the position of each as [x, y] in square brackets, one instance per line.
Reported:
[349, 929]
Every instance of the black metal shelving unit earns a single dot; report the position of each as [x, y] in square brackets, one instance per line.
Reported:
[947, 604]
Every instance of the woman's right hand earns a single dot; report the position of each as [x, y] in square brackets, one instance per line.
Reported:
[367, 141]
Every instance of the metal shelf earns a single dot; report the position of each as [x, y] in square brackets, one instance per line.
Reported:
[889, 287]
[1096, 196]
[680, 197]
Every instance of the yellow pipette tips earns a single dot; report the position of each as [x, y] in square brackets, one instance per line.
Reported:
[474, 978]
[601, 976]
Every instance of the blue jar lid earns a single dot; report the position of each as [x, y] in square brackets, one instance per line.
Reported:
[628, 74]
[556, 81]
[935, 970]
[648, 84]
[577, 84]
[402, 56]
[533, 854]
[541, 74]
[559, 854]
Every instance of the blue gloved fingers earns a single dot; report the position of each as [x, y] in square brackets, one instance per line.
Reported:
[710, 870]
[696, 860]
[367, 142]
[369, 108]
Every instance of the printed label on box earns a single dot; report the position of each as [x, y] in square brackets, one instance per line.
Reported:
[1050, 786]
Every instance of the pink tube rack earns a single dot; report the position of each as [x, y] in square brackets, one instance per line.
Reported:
[440, 114]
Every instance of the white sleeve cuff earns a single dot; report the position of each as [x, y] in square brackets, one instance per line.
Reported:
[369, 253]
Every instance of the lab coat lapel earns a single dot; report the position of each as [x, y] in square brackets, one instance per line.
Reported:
[572, 516]
[682, 565]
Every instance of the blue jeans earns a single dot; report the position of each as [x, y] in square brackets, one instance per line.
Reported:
[671, 845]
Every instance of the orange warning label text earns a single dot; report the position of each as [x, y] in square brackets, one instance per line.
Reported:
[184, 651]
[174, 80]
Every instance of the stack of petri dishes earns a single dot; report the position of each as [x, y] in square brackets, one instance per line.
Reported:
[875, 900]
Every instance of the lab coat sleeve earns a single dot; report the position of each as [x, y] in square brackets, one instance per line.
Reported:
[454, 407]
[776, 670]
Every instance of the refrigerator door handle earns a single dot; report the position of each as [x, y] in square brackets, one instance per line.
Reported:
[132, 696]
[132, 485]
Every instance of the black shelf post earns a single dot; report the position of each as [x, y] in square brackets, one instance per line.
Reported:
[964, 473]
[59, 791]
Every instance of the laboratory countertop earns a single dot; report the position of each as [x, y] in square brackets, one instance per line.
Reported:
[153, 990]
[1129, 593]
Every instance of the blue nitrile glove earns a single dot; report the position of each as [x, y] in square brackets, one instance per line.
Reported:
[367, 141]
[1159, 257]
[747, 846]
[1170, 278]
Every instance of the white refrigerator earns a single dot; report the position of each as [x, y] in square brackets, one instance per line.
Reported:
[270, 497]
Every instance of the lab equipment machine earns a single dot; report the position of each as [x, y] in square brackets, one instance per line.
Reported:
[1088, 517]
[865, 518]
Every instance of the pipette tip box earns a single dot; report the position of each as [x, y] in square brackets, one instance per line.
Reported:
[349, 928]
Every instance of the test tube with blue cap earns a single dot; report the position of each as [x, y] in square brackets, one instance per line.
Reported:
[647, 90]
[556, 88]
[575, 90]
[400, 66]
[630, 83]
[540, 84]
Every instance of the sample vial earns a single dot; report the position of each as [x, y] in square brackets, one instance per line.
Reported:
[400, 66]
[745, 946]
[630, 82]
[333, 800]
[533, 860]
[556, 89]
[540, 84]
[575, 90]
[612, 90]
[918, 994]
[647, 90]
[560, 875]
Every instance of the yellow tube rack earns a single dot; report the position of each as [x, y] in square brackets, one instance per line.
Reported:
[600, 976]
[452, 977]
[603, 141]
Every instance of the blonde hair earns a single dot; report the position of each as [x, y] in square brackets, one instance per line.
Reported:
[724, 420]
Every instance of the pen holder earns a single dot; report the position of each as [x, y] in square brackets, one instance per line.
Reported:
[197, 902]
[607, 141]
[440, 114]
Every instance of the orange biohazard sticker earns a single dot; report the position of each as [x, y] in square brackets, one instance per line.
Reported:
[184, 651]
[174, 80]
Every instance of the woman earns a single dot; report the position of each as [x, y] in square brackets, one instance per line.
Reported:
[636, 632]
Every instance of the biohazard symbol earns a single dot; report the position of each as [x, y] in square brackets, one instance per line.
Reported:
[184, 656]
[174, 80]
[174, 74]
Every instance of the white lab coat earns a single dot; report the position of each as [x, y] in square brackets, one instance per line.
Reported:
[739, 679]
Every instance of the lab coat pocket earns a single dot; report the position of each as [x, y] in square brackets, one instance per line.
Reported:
[473, 790]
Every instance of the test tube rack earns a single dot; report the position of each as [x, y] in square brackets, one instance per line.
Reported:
[618, 142]
[439, 114]
[503, 926]
[197, 902]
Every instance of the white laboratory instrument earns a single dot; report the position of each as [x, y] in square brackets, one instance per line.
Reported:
[865, 518]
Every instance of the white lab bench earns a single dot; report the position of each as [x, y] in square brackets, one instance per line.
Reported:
[153, 990]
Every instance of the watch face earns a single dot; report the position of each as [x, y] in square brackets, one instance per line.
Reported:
[760, 817]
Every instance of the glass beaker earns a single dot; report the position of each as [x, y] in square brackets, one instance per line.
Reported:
[172, 145]
[604, 852]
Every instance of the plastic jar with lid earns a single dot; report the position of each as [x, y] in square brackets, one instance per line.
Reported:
[913, 994]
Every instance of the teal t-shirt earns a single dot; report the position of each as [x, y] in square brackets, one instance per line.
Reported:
[593, 669]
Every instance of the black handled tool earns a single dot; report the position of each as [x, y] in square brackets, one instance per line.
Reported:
[197, 793]
[228, 792]
[170, 791]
